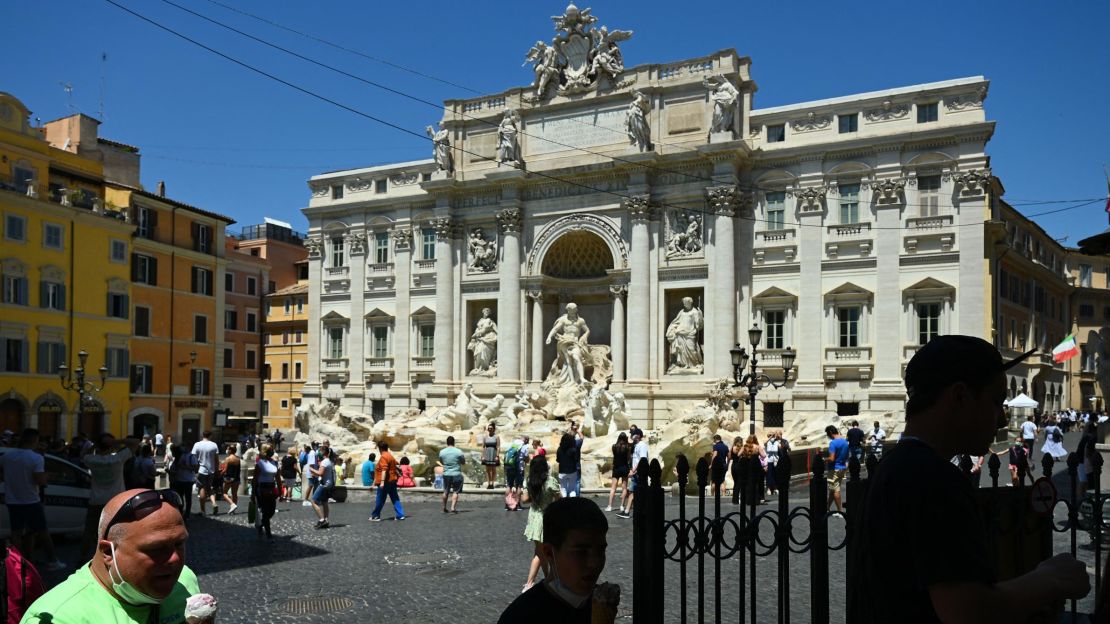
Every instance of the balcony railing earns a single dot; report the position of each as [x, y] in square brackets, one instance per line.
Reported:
[937, 222]
[775, 237]
[340, 271]
[849, 231]
[425, 265]
[379, 364]
[379, 269]
[847, 355]
[335, 364]
[423, 363]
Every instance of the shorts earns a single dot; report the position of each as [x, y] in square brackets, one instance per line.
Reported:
[512, 477]
[313, 481]
[290, 481]
[30, 518]
[204, 481]
[718, 474]
[836, 479]
[452, 484]
[620, 472]
[320, 495]
[633, 482]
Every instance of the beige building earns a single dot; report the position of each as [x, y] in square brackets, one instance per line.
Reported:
[286, 351]
[1090, 372]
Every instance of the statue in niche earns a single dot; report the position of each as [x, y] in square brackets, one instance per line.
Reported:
[724, 97]
[508, 139]
[442, 151]
[571, 335]
[607, 56]
[483, 255]
[636, 121]
[682, 334]
[483, 344]
[545, 60]
[687, 241]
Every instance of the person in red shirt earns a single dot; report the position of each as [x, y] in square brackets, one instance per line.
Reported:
[386, 473]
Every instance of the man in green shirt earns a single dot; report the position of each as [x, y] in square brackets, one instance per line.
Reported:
[138, 573]
[452, 459]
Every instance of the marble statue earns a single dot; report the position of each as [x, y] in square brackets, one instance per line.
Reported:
[724, 97]
[483, 255]
[508, 139]
[607, 56]
[682, 334]
[636, 121]
[483, 344]
[572, 336]
[545, 60]
[615, 413]
[685, 241]
[463, 413]
[442, 151]
[573, 20]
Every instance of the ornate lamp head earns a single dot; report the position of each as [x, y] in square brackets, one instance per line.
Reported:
[754, 335]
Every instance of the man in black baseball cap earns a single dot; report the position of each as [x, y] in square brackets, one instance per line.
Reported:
[919, 547]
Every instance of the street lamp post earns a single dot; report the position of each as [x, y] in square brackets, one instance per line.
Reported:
[75, 381]
[753, 380]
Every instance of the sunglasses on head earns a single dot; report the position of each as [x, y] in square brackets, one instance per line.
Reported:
[142, 505]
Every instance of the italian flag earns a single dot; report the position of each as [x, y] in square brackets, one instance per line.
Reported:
[1066, 350]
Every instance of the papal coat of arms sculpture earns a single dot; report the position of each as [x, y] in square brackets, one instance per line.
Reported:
[579, 55]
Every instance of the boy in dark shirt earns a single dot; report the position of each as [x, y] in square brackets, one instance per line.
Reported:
[574, 546]
[855, 441]
[919, 545]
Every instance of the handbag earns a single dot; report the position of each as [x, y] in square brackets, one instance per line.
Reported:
[252, 511]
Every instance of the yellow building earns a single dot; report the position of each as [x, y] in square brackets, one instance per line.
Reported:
[286, 352]
[65, 256]
[1090, 371]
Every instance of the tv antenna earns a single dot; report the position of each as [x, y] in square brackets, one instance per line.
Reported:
[103, 63]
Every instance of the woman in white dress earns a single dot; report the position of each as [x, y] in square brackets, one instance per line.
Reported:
[1053, 440]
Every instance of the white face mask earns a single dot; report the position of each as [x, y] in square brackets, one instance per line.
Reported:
[568, 596]
[126, 591]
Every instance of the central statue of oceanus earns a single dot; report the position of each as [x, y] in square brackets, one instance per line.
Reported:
[576, 362]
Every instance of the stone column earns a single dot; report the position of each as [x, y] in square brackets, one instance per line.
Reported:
[508, 297]
[402, 336]
[971, 206]
[311, 390]
[445, 300]
[354, 392]
[639, 293]
[723, 201]
[887, 339]
[537, 335]
[812, 320]
[618, 292]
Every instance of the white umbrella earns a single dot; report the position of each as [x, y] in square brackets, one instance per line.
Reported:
[1022, 401]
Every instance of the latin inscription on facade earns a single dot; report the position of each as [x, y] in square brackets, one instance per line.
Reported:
[554, 133]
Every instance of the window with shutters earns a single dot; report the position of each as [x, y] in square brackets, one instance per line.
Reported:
[296, 370]
[202, 281]
[117, 305]
[200, 379]
[202, 238]
[142, 378]
[252, 322]
[52, 296]
[200, 328]
[252, 359]
[14, 354]
[285, 370]
[231, 319]
[229, 282]
[849, 203]
[15, 289]
[117, 251]
[118, 361]
[252, 286]
[381, 247]
[15, 228]
[142, 321]
[52, 236]
[144, 269]
[928, 195]
[145, 222]
[51, 355]
[229, 358]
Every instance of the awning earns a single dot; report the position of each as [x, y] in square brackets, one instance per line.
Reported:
[253, 418]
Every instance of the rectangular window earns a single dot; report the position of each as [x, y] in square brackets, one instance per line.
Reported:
[774, 320]
[927, 112]
[848, 123]
[250, 391]
[117, 251]
[145, 222]
[772, 415]
[776, 133]
[52, 235]
[381, 244]
[285, 370]
[52, 296]
[297, 337]
[144, 269]
[202, 238]
[142, 321]
[252, 360]
[51, 355]
[200, 378]
[15, 290]
[227, 391]
[337, 257]
[849, 203]
[381, 341]
[118, 305]
[142, 379]
[202, 281]
[231, 319]
[928, 322]
[337, 191]
[379, 186]
[335, 342]
[252, 286]
[265, 408]
[14, 354]
[776, 210]
[285, 337]
[427, 341]
[266, 372]
[848, 326]
[271, 286]
[229, 358]
[15, 228]
[200, 329]
[252, 322]
[428, 244]
[296, 370]
[229, 282]
[285, 404]
[928, 195]
[300, 305]
[1085, 276]
[118, 362]
[1086, 310]
[288, 305]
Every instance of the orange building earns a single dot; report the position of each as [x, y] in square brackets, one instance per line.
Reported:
[244, 282]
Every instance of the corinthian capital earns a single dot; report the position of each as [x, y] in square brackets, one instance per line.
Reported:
[638, 207]
[509, 220]
[809, 199]
[356, 243]
[724, 199]
[444, 228]
[402, 239]
[972, 181]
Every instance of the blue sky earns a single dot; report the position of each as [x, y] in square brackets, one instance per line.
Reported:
[234, 142]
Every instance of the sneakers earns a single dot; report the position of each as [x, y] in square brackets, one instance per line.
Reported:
[306, 504]
[54, 566]
[527, 586]
[375, 519]
[609, 508]
[322, 524]
[232, 510]
[400, 518]
[215, 511]
[624, 514]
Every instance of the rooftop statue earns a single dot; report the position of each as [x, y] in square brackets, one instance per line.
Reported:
[578, 55]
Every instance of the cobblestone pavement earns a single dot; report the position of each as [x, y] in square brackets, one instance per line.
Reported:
[461, 568]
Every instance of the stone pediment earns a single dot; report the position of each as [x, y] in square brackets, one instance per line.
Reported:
[929, 285]
[424, 311]
[378, 314]
[334, 317]
[774, 293]
[849, 291]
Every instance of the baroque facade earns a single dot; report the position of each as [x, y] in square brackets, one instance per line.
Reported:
[675, 215]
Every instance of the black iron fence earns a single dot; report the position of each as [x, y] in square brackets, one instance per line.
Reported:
[704, 547]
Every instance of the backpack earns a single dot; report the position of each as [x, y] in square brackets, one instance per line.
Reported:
[20, 583]
[1056, 435]
[511, 455]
